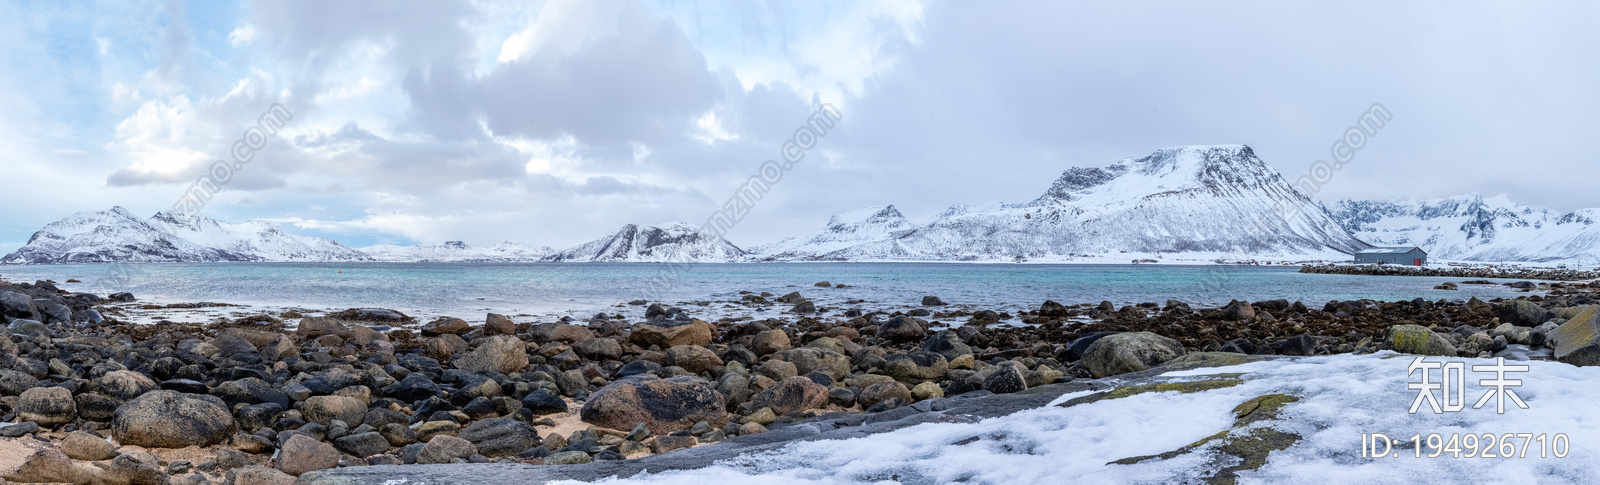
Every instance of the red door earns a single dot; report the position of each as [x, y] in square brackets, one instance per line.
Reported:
[1416, 262]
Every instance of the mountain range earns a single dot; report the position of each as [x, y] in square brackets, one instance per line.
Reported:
[1186, 203]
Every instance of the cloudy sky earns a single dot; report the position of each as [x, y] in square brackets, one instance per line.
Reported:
[551, 123]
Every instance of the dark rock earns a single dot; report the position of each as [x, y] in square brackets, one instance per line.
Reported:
[932, 301]
[257, 416]
[48, 406]
[947, 344]
[1523, 313]
[663, 405]
[1052, 309]
[1007, 378]
[498, 437]
[414, 387]
[901, 329]
[1239, 310]
[251, 390]
[1078, 346]
[362, 445]
[445, 449]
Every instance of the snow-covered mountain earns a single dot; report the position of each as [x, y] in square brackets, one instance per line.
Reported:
[1474, 228]
[1198, 200]
[458, 252]
[116, 235]
[844, 230]
[674, 241]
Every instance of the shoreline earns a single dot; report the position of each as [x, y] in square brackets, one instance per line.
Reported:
[298, 393]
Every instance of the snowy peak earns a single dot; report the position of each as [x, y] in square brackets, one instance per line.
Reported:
[674, 241]
[1475, 228]
[1218, 200]
[844, 230]
[116, 235]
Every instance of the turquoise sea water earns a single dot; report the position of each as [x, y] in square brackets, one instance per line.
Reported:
[469, 290]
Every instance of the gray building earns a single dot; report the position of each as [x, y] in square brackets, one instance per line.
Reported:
[1407, 255]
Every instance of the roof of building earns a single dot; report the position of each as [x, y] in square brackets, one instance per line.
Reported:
[1390, 250]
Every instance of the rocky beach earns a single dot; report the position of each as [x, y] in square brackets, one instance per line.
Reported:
[280, 396]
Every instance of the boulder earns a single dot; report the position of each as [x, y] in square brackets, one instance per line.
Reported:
[86, 446]
[932, 301]
[696, 332]
[598, 348]
[792, 394]
[31, 328]
[916, 367]
[1416, 339]
[446, 325]
[13, 383]
[946, 343]
[544, 401]
[258, 475]
[1523, 313]
[1577, 342]
[498, 437]
[1050, 308]
[663, 405]
[445, 449]
[1078, 346]
[881, 391]
[124, 384]
[692, 358]
[901, 328]
[324, 409]
[48, 406]
[1008, 377]
[497, 324]
[1239, 310]
[1129, 352]
[313, 327]
[302, 453]
[770, 341]
[168, 419]
[561, 332]
[504, 354]
[816, 359]
[362, 445]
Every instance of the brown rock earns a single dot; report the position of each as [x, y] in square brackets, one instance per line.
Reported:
[124, 384]
[771, 342]
[446, 325]
[313, 327]
[259, 475]
[504, 354]
[324, 409]
[693, 358]
[497, 324]
[301, 454]
[697, 332]
[86, 446]
[792, 394]
[881, 391]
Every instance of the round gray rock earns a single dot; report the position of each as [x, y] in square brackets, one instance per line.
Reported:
[1129, 352]
[169, 419]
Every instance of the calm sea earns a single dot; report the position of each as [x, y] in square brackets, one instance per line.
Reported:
[540, 289]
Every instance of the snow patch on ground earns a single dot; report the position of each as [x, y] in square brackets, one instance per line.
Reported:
[1341, 397]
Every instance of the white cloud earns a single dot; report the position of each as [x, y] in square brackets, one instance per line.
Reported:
[242, 35]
